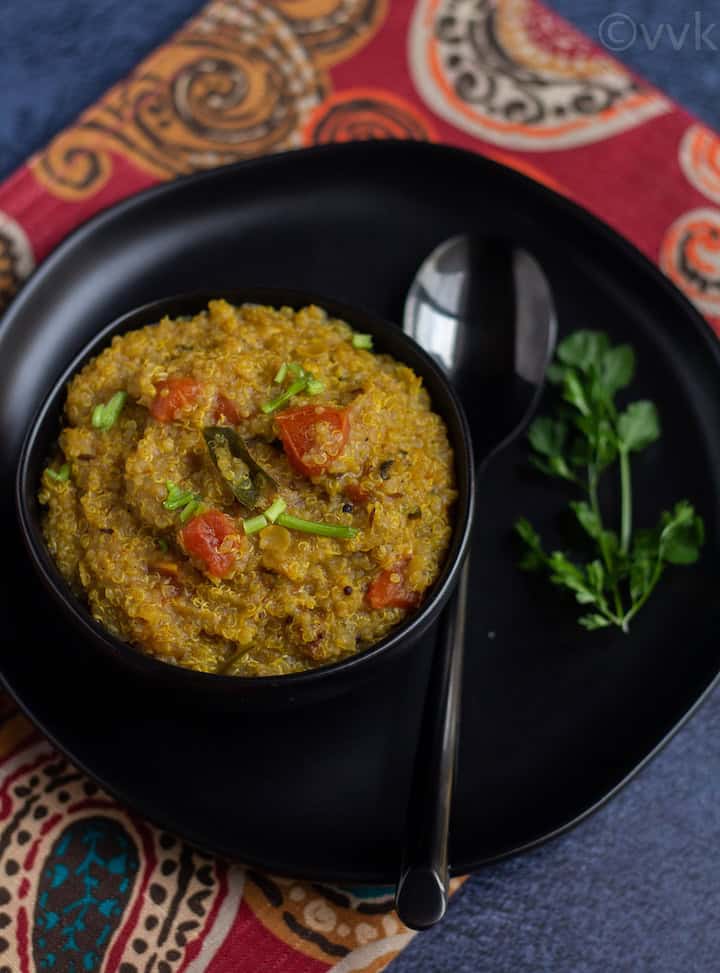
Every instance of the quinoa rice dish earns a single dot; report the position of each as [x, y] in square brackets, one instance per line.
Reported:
[251, 491]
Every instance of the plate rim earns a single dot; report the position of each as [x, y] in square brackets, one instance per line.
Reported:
[548, 196]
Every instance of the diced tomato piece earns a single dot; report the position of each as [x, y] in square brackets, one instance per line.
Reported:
[172, 396]
[224, 409]
[301, 437]
[356, 493]
[390, 590]
[206, 538]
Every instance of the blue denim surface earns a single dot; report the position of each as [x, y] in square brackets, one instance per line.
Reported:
[635, 888]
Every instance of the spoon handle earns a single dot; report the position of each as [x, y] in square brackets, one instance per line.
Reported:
[422, 891]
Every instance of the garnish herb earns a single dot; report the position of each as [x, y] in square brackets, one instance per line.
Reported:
[253, 524]
[311, 527]
[277, 507]
[362, 341]
[188, 503]
[303, 381]
[586, 438]
[274, 404]
[194, 508]
[60, 476]
[275, 514]
[246, 478]
[105, 416]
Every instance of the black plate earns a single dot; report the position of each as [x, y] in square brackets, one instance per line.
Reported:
[554, 719]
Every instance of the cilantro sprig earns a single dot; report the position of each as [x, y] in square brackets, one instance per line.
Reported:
[585, 438]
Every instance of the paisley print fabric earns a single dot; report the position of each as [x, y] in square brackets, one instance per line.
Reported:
[86, 885]
[360, 114]
[332, 30]
[512, 73]
[690, 256]
[16, 258]
[700, 160]
[235, 83]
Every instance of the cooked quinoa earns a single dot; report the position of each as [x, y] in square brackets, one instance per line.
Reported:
[145, 525]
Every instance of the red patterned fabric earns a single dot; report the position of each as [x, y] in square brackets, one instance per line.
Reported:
[85, 881]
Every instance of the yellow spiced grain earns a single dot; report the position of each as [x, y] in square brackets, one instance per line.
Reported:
[294, 601]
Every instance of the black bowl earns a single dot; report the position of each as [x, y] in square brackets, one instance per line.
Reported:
[265, 691]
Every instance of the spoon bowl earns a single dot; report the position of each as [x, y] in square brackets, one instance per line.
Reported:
[484, 311]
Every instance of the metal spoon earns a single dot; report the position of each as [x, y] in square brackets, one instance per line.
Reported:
[484, 310]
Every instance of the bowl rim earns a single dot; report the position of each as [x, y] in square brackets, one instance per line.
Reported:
[124, 652]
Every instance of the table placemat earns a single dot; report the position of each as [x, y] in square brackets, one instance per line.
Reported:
[86, 885]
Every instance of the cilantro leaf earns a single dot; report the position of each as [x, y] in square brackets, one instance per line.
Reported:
[547, 436]
[617, 368]
[594, 622]
[638, 426]
[682, 535]
[583, 349]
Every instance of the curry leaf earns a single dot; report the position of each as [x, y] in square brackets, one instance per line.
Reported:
[245, 477]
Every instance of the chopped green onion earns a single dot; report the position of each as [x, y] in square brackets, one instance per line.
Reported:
[277, 507]
[311, 527]
[176, 497]
[162, 545]
[304, 382]
[188, 503]
[60, 476]
[297, 386]
[195, 507]
[253, 524]
[362, 341]
[105, 416]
